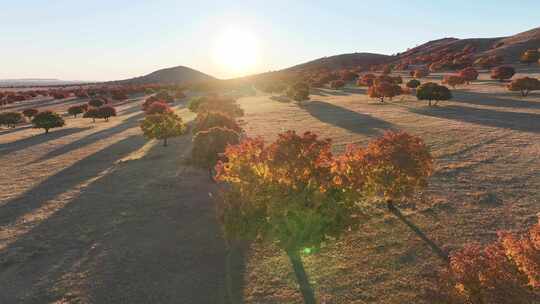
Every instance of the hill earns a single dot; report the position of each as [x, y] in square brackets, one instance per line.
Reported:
[509, 48]
[342, 61]
[176, 75]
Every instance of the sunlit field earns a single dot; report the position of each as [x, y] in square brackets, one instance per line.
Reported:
[303, 153]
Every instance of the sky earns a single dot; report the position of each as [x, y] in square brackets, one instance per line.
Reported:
[99, 40]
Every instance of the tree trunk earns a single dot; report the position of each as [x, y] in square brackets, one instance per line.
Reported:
[165, 142]
[301, 277]
[46, 130]
[436, 249]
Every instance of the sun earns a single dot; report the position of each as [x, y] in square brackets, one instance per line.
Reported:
[236, 50]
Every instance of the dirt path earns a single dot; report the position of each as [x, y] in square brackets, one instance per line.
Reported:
[108, 218]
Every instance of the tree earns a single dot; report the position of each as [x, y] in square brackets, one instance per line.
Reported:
[469, 74]
[453, 80]
[524, 85]
[337, 84]
[209, 144]
[165, 96]
[420, 73]
[227, 105]
[158, 107]
[29, 113]
[106, 111]
[47, 120]
[92, 113]
[193, 104]
[530, 56]
[384, 89]
[207, 120]
[413, 83]
[96, 103]
[163, 126]
[386, 70]
[10, 119]
[431, 91]
[502, 73]
[75, 110]
[366, 80]
[294, 193]
[504, 271]
[298, 91]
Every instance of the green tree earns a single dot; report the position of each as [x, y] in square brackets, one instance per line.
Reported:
[162, 126]
[47, 120]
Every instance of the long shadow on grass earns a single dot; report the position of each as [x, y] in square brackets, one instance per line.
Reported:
[143, 233]
[346, 119]
[526, 122]
[485, 99]
[38, 139]
[92, 138]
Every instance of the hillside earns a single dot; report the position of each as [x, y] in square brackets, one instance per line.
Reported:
[343, 61]
[509, 48]
[176, 75]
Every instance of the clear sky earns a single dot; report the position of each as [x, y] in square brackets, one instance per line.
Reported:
[116, 39]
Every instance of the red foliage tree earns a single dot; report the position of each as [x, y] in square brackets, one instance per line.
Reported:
[502, 73]
[469, 74]
[158, 107]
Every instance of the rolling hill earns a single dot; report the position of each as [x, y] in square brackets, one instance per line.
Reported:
[342, 61]
[176, 75]
[509, 48]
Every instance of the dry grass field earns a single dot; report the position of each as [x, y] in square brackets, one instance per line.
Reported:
[94, 213]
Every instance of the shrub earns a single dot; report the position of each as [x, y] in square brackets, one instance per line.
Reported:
[413, 83]
[337, 84]
[530, 56]
[10, 119]
[431, 91]
[210, 143]
[502, 73]
[208, 120]
[298, 92]
[163, 126]
[384, 89]
[29, 113]
[92, 113]
[75, 110]
[96, 103]
[158, 107]
[453, 80]
[47, 120]
[106, 111]
[469, 74]
[524, 85]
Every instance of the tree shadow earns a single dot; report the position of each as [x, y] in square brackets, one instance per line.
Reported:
[125, 238]
[17, 129]
[340, 92]
[47, 103]
[317, 91]
[280, 99]
[353, 90]
[38, 139]
[92, 138]
[526, 122]
[344, 118]
[485, 99]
